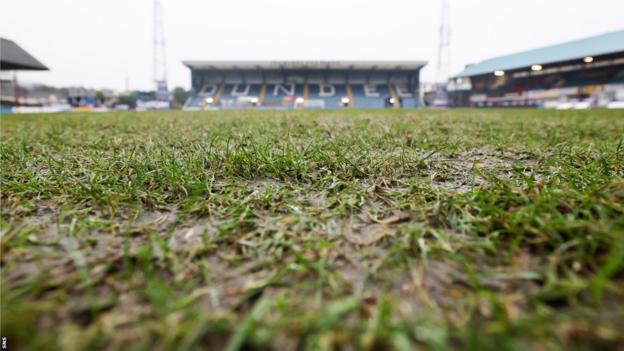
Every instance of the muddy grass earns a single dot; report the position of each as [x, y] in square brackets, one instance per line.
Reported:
[381, 230]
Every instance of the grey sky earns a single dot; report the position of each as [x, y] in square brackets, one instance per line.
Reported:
[100, 43]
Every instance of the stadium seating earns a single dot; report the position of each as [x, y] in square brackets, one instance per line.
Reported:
[235, 96]
[280, 96]
[406, 98]
[194, 102]
[536, 89]
[619, 78]
[409, 102]
[233, 91]
[371, 96]
[331, 94]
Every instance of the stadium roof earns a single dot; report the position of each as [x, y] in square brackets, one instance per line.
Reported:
[312, 65]
[13, 57]
[607, 43]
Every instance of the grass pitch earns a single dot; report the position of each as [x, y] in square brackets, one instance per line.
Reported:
[345, 230]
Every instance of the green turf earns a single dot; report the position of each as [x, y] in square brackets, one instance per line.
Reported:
[378, 230]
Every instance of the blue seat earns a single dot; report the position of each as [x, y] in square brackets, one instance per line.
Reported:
[278, 96]
[409, 102]
[245, 90]
[330, 102]
[361, 100]
[237, 96]
[193, 102]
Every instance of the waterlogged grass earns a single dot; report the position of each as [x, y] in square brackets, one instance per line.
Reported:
[430, 230]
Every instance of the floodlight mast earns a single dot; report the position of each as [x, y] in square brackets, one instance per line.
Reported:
[444, 52]
[160, 56]
[441, 99]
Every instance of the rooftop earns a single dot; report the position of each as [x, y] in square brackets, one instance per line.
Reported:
[306, 65]
[603, 44]
[13, 57]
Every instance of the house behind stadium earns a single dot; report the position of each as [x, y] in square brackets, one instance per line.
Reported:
[304, 84]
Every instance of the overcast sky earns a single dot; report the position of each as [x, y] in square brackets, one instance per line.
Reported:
[100, 43]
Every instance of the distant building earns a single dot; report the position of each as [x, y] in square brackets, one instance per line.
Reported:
[304, 84]
[582, 73]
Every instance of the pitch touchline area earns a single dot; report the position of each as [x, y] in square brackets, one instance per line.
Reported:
[313, 230]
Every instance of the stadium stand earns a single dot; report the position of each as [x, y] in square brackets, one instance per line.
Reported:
[235, 96]
[282, 94]
[14, 59]
[330, 94]
[406, 98]
[586, 72]
[369, 95]
[193, 103]
[308, 85]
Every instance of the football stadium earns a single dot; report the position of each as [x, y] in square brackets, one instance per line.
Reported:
[306, 85]
[583, 73]
[312, 205]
